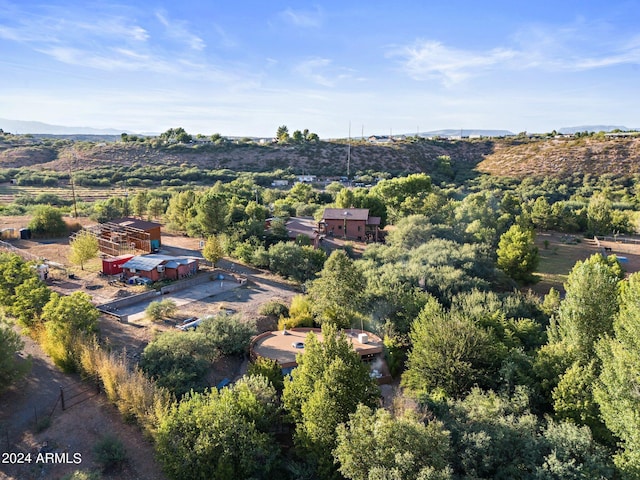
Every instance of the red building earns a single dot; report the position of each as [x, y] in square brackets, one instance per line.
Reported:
[350, 223]
[113, 266]
[160, 267]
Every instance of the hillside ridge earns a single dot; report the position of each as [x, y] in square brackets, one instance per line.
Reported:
[558, 157]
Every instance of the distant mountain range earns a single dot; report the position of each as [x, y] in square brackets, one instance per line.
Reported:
[450, 132]
[593, 128]
[24, 127]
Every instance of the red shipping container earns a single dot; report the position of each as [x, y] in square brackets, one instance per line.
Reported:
[113, 266]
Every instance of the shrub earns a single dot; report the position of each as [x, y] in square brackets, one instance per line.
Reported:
[274, 309]
[110, 453]
[228, 333]
[82, 475]
[159, 310]
[300, 313]
[47, 221]
[268, 368]
[136, 397]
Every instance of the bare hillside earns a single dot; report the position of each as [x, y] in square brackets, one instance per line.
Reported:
[563, 157]
[322, 158]
[501, 157]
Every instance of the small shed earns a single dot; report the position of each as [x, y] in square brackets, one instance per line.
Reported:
[113, 266]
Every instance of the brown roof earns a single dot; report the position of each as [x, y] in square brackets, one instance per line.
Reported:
[348, 213]
[135, 223]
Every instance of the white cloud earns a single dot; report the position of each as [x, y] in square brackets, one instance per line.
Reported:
[432, 60]
[314, 70]
[304, 19]
[178, 29]
[323, 72]
[538, 48]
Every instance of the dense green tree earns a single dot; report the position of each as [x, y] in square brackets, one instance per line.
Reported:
[573, 397]
[47, 221]
[345, 198]
[156, 207]
[212, 209]
[589, 306]
[67, 320]
[176, 135]
[495, 437]
[107, 210]
[517, 253]
[300, 192]
[337, 293]
[255, 211]
[11, 368]
[30, 298]
[297, 136]
[476, 217]
[282, 134]
[300, 263]
[583, 318]
[182, 209]
[328, 384]
[300, 313]
[413, 231]
[269, 369]
[599, 213]
[374, 445]
[396, 191]
[84, 247]
[14, 271]
[449, 353]
[220, 435]
[617, 390]
[212, 250]
[178, 361]
[541, 214]
[228, 334]
[139, 203]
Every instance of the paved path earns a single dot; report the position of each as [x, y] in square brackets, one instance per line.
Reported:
[195, 293]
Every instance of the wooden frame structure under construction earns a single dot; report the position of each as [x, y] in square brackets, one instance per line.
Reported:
[115, 240]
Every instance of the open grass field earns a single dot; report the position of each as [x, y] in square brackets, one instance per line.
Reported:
[560, 254]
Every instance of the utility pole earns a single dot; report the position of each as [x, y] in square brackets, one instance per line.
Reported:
[73, 187]
[349, 153]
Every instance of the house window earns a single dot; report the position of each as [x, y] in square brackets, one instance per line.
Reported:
[359, 228]
[339, 227]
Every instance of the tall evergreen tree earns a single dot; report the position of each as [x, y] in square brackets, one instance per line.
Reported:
[338, 291]
[617, 391]
[328, 384]
[517, 253]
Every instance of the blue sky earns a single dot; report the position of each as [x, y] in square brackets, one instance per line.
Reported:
[244, 68]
